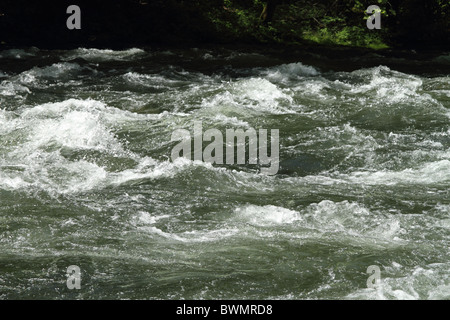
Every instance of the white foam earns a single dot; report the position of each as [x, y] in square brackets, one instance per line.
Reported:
[11, 183]
[97, 55]
[38, 77]
[148, 168]
[146, 218]
[314, 88]
[257, 94]
[344, 221]
[420, 283]
[266, 215]
[150, 80]
[231, 120]
[194, 236]
[291, 71]
[45, 131]
[9, 88]
[96, 108]
[353, 220]
[428, 173]
[56, 70]
[391, 87]
[53, 173]
[77, 124]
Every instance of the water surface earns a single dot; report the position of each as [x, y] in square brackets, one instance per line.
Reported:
[86, 177]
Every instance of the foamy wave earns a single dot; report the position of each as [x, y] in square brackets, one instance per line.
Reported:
[104, 54]
[39, 77]
[344, 221]
[8, 88]
[267, 215]
[257, 94]
[45, 140]
[430, 282]
[151, 80]
[192, 236]
[392, 87]
[291, 71]
[429, 173]
[354, 220]
[96, 108]
[148, 223]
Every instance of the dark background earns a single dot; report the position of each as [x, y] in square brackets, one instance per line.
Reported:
[416, 24]
[112, 24]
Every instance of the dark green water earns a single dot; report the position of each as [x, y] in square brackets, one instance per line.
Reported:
[86, 177]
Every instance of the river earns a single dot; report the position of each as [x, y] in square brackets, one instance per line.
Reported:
[87, 179]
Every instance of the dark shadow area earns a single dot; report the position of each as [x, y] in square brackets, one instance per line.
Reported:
[415, 24]
[105, 24]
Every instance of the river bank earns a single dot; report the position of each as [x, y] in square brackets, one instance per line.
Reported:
[126, 24]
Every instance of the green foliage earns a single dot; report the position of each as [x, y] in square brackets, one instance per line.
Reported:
[326, 21]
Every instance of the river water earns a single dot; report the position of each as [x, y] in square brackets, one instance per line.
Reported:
[86, 176]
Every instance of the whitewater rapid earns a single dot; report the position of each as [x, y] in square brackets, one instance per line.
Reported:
[86, 177]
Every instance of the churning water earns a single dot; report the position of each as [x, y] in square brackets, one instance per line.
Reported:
[86, 177]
